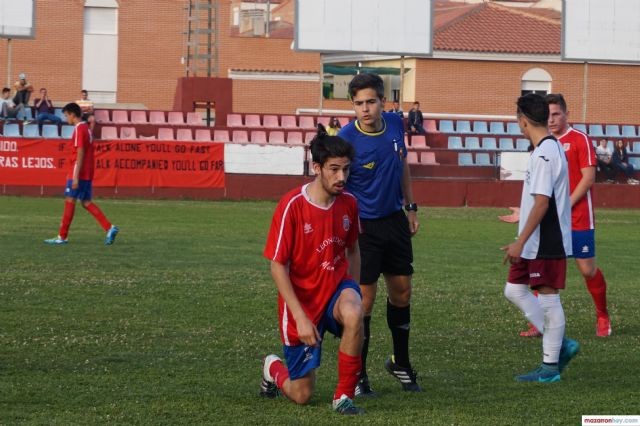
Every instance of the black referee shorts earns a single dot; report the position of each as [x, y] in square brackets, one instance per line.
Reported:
[385, 247]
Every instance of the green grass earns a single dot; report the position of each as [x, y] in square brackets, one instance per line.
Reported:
[170, 324]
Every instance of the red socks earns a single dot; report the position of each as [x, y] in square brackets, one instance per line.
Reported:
[279, 373]
[349, 367]
[67, 217]
[597, 286]
[99, 216]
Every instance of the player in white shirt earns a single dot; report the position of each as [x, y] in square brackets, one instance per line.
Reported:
[538, 257]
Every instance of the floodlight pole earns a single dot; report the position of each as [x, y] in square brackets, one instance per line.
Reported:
[585, 91]
[8, 62]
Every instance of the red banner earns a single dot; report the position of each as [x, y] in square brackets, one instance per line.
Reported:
[118, 163]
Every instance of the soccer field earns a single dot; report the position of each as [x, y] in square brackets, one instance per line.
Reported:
[170, 324]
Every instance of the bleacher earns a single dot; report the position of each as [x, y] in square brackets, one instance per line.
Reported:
[451, 148]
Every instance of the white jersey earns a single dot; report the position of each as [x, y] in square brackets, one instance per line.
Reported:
[547, 174]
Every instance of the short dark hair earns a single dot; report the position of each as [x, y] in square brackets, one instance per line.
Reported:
[557, 99]
[416, 103]
[366, 81]
[535, 108]
[73, 108]
[324, 147]
[5, 90]
[84, 91]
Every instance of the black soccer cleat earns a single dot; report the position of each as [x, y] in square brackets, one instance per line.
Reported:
[268, 387]
[363, 388]
[407, 376]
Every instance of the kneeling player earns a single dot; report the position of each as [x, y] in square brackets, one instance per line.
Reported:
[539, 256]
[315, 263]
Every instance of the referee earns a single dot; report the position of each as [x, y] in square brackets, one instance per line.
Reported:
[381, 182]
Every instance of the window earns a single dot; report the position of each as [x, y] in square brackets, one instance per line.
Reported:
[536, 80]
[100, 50]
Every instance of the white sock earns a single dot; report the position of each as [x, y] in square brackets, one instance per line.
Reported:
[519, 295]
[553, 327]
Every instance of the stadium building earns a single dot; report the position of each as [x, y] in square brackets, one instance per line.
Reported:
[485, 54]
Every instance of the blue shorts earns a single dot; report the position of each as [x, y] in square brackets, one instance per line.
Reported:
[301, 359]
[584, 244]
[84, 191]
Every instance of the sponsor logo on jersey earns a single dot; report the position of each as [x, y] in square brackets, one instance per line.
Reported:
[346, 223]
[307, 228]
[329, 241]
[369, 166]
[535, 275]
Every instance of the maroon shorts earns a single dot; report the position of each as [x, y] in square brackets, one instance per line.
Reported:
[537, 272]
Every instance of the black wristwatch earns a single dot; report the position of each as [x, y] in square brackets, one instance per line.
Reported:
[411, 207]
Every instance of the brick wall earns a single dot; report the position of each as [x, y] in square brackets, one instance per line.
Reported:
[54, 58]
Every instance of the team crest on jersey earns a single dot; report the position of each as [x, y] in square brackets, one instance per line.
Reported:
[346, 223]
[566, 146]
[307, 228]
[370, 166]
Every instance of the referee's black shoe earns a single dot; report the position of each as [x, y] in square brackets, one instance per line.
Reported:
[363, 388]
[407, 376]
